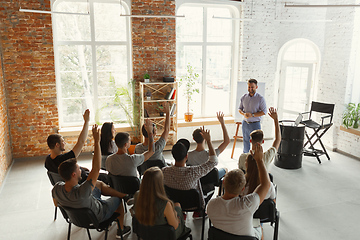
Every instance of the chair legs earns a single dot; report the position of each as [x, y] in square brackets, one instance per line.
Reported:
[55, 213]
[69, 231]
[277, 221]
[203, 225]
[316, 152]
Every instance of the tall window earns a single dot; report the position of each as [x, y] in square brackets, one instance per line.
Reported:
[207, 44]
[92, 56]
[300, 60]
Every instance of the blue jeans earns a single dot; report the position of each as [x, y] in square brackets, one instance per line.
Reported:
[247, 128]
[109, 205]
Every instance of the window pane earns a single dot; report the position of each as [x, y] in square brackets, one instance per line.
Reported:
[109, 26]
[73, 110]
[72, 27]
[300, 51]
[219, 30]
[193, 18]
[218, 80]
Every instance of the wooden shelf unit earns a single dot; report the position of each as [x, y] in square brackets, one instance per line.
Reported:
[158, 92]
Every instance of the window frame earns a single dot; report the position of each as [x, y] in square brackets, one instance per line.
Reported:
[234, 44]
[92, 44]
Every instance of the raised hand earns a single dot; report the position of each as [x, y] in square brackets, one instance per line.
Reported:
[273, 113]
[205, 133]
[220, 117]
[258, 155]
[96, 133]
[166, 108]
[149, 126]
[86, 115]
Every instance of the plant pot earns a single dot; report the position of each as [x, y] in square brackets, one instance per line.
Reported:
[188, 117]
[146, 80]
[161, 114]
[131, 149]
[148, 98]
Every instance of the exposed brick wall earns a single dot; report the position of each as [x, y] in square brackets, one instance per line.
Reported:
[5, 146]
[29, 75]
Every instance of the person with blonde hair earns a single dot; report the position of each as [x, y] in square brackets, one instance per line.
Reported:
[153, 207]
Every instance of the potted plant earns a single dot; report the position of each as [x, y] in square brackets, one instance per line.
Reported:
[351, 115]
[189, 81]
[146, 78]
[160, 108]
[126, 100]
[148, 95]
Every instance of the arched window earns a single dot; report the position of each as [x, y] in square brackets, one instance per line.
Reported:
[92, 59]
[208, 45]
[299, 60]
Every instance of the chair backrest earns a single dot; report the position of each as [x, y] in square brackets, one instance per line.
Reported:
[216, 234]
[148, 164]
[190, 200]
[266, 211]
[322, 108]
[157, 232]
[54, 177]
[124, 184]
[81, 217]
[211, 178]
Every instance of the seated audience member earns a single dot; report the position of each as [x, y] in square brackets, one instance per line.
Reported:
[121, 163]
[159, 144]
[184, 177]
[88, 194]
[233, 213]
[257, 136]
[107, 142]
[153, 207]
[199, 155]
[57, 143]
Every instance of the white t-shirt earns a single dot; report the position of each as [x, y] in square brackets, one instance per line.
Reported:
[234, 215]
[197, 158]
[269, 156]
[124, 164]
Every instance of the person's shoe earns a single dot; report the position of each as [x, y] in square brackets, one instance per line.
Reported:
[125, 231]
[198, 215]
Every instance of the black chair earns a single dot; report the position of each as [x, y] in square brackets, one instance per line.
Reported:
[267, 213]
[208, 183]
[54, 178]
[148, 164]
[124, 184]
[157, 232]
[217, 234]
[85, 218]
[319, 129]
[190, 201]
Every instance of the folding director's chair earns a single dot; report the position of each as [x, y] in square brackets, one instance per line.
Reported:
[319, 129]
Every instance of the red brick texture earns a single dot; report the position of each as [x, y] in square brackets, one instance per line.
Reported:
[153, 40]
[29, 75]
[5, 147]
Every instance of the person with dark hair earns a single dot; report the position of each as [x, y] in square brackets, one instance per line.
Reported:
[153, 207]
[57, 143]
[233, 213]
[252, 107]
[199, 155]
[88, 194]
[107, 142]
[121, 163]
[257, 136]
[160, 143]
[180, 176]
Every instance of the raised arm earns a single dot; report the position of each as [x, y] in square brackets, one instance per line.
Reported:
[264, 185]
[96, 162]
[83, 134]
[226, 139]
[151, 146]
[165, 134]
[273, 114]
